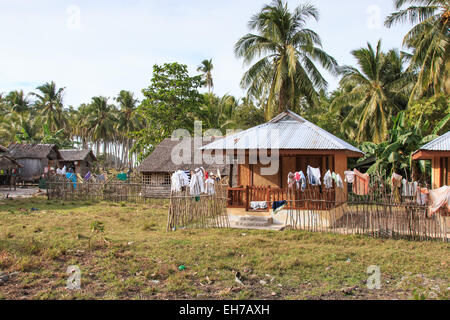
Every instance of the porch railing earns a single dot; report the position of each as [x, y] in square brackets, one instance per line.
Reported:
[312, 197]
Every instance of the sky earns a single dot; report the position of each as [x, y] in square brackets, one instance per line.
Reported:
[100, 47]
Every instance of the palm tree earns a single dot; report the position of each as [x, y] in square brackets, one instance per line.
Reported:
[378, 91]
[127, 120]
[100, 121]
[206, 67]
[219, 113]
[17, 101]
[429, 41]
[50, 105]
[289, 51]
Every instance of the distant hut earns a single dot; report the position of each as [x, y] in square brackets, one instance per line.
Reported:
[438, 152]
[7, 165]
[82, 161]
[157, 168]
[34, 158]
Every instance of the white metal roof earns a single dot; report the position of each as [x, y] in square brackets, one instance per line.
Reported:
[440, 144]
[287, 131]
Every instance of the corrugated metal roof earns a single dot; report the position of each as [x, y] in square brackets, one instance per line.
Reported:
[287, 131]
[440, 144]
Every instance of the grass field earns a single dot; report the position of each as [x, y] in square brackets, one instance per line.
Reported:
[139, 260]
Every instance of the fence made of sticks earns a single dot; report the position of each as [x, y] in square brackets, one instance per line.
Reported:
[112, 189]
[196, 212]
[384, 212]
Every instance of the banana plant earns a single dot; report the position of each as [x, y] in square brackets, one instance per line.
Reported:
[395, 154]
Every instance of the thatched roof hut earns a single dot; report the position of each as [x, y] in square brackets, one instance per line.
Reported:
[157, 168]
[80, 160]
[34, 158]
[160, 160]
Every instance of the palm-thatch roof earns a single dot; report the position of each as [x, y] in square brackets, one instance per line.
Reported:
[3, 149]
[160, 160]
[77, 155]
[34, 151]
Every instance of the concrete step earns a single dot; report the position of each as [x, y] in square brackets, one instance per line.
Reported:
[253, 224]
[256, 219]
[250, 221]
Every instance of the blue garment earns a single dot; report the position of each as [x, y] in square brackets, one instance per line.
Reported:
[72, 177]
[302, 180]
[87, 176]
[278, 206]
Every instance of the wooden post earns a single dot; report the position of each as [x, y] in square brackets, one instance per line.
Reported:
[247, 198]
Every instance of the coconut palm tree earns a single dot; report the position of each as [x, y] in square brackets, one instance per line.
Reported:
[379, 89]
[127, 121]
[206, 68]
[100, 121]
[429, 41]
[219, 113]
[287, 53]
[17, 101]
[49, 104]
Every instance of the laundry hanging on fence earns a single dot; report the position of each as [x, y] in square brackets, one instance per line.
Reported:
[396, 180]
[87, 176]
[209, 186]
[361, 183]
[197, 184]
[122, 176]
[61, 171]
[101, 177]
[72, 177]
[408, 188]
[301, 184]
[439, 198]
[179, 180]
[422, 196]
[277, 206]
[328, 180]
[291, 180]
[349, 176]
[257, 205]
[337, 180]
[79, 178]
[313, 176]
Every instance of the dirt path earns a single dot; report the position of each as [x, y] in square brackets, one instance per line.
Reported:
[20, 192]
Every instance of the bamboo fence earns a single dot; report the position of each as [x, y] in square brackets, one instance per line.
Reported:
[204, 211]
[112, 189]
[382, 213]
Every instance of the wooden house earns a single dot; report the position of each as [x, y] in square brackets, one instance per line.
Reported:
[81, 161]
[299, 144]
[34, 158]
[438, 152]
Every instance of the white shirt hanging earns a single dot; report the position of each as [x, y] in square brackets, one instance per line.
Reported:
[313, 176]
[328, 180]
[209, 187]
[349, 176]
